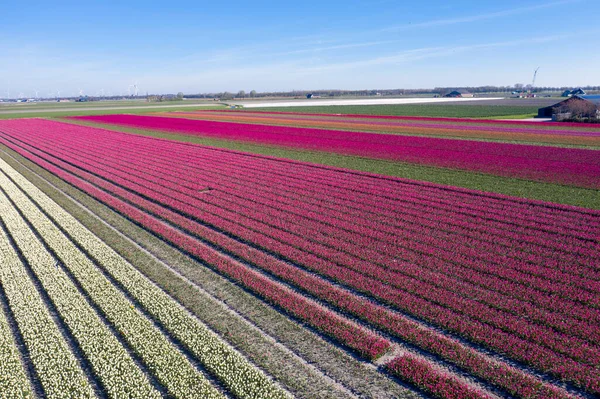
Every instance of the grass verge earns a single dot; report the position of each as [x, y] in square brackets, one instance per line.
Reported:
[51, 112]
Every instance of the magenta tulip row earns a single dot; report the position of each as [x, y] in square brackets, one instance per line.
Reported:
[579, 167]
[465, 121]
[431, 123]
[504, 376]
[481, 311]
[553, 254]
[435, 382]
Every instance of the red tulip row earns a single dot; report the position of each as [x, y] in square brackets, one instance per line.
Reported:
[576, 349]
[465, 121]
[571, 166]
[546, 270]
[505, 377]
[436, 383]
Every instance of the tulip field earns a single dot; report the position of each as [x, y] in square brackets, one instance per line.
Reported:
[578, 167]
[434, 291]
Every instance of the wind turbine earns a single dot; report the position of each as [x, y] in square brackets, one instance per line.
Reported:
[80, 92]
[135, 89]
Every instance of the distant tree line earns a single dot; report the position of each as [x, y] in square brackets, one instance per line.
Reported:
[387, 92]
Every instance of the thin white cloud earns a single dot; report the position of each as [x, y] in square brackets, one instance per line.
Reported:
[478, 17]
[434, 52]
[337, 47]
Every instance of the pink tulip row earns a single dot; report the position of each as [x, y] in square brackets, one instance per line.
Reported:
[588, 130]
[570, 166]
[150, 189]
[448, 296]
[552, 255]
[465, 121]
[478, 311]
[504, 376]
[436, 383]
[489, 205]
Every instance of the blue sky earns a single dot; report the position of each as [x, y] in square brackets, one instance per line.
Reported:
[196, 46]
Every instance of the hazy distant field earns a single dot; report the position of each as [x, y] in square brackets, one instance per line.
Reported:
[34, 110]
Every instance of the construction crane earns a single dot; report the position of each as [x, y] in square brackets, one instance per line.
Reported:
[533, 81]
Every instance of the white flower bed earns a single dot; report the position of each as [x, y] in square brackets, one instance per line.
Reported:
[56, 366]
[109, 359]
[169, 365]
[241, 377]
[13, 380]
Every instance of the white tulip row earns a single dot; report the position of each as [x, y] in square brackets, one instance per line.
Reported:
[119, 374]
[13, 380]
[241, 378]
[57, 369]
[163, 359]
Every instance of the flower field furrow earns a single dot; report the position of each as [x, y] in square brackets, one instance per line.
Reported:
[117, 372]
[287, 211]
[232, 369]
[517, 277]
[577, 167]
[56, 367]
[481, 311]
[308, 188]
[460, 204]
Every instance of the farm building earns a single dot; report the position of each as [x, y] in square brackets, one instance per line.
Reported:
[573, 107]
[575, 92]
[459, 93]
